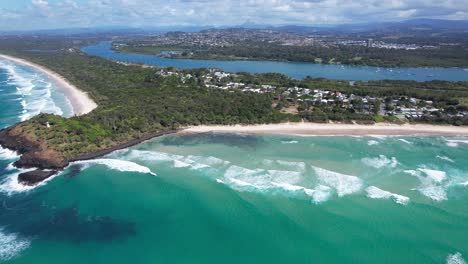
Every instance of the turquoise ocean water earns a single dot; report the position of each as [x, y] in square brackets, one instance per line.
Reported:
[236, 198]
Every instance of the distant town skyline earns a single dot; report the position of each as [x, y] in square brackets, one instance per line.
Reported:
[59, 14]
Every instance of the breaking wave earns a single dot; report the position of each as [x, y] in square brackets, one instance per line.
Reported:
[35, 92]
[372, 142]
[119, 165]
[290, 165]
[380, 162]
[10, 185]
[455, 259]
[342, 183]
[178, 161]
[11, 245]
[455, 142]
[405, 141]
[377, 193]
[431, 183]
[260, 178]
[287, 182]
[6, 154]
[445, 158]
[289, 141]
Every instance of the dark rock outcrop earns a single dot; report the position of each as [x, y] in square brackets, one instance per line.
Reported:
[49, 161]
[32, 154]
[34, 177]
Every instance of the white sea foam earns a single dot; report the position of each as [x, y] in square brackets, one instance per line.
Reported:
[381, 161]
[219, 181]
[463, 141]
[435, 175]
[236, 171]
[342, 183]
[452, 144]
[211, 161]
[464, 183]
[147, 155]
[179, 161]
[243, 183]
[263, 179]
[377, 193]
[120, 165]
[290, 165]
[382, 137]
[289, 187]
[372, 142]
[180, 164]
[320, 194]
[294, 165]
[291, 177]
[455, 142]
[431, 183]
[405, 141]
[35, 92]
[290, 142]
[10, 185]
[455, 259]
[11, 245]
[10, 167]
[6, 154]
[436, 193]
[430, 175]
[445, 158]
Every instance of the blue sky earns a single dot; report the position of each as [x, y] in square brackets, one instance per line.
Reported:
[47, 14]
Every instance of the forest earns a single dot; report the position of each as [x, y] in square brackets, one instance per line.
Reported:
[445, 56]
[135, 102]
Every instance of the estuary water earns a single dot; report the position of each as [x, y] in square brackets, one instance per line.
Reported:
[237, 198]
[292, 69]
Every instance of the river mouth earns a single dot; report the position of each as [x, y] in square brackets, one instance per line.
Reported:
[297, 70]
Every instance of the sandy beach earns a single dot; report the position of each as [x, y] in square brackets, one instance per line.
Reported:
[79, 100]
[316, 129]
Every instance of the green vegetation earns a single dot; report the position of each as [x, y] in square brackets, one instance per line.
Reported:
[136, 102]
[146, 49]
[445, 56]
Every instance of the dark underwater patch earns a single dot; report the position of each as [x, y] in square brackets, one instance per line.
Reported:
[229, 139]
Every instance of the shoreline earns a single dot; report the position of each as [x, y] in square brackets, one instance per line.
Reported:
[292, 61]
[80, 101]
[334, 129]
[42, 168]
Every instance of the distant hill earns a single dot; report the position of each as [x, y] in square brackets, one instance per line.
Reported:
[413, 25]
[408, 25]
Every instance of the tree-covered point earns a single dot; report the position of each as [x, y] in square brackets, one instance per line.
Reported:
[133, 102]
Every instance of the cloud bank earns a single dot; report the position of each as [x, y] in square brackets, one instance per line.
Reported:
[43, 14]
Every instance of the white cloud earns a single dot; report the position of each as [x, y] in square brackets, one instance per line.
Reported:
[74, 13]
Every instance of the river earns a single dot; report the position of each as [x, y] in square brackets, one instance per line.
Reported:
[296, 70]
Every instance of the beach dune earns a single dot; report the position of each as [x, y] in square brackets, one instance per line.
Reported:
[80, 101]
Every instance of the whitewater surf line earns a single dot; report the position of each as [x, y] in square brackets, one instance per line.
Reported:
[80, 101]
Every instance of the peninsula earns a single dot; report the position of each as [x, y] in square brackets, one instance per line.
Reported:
[131, 104]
